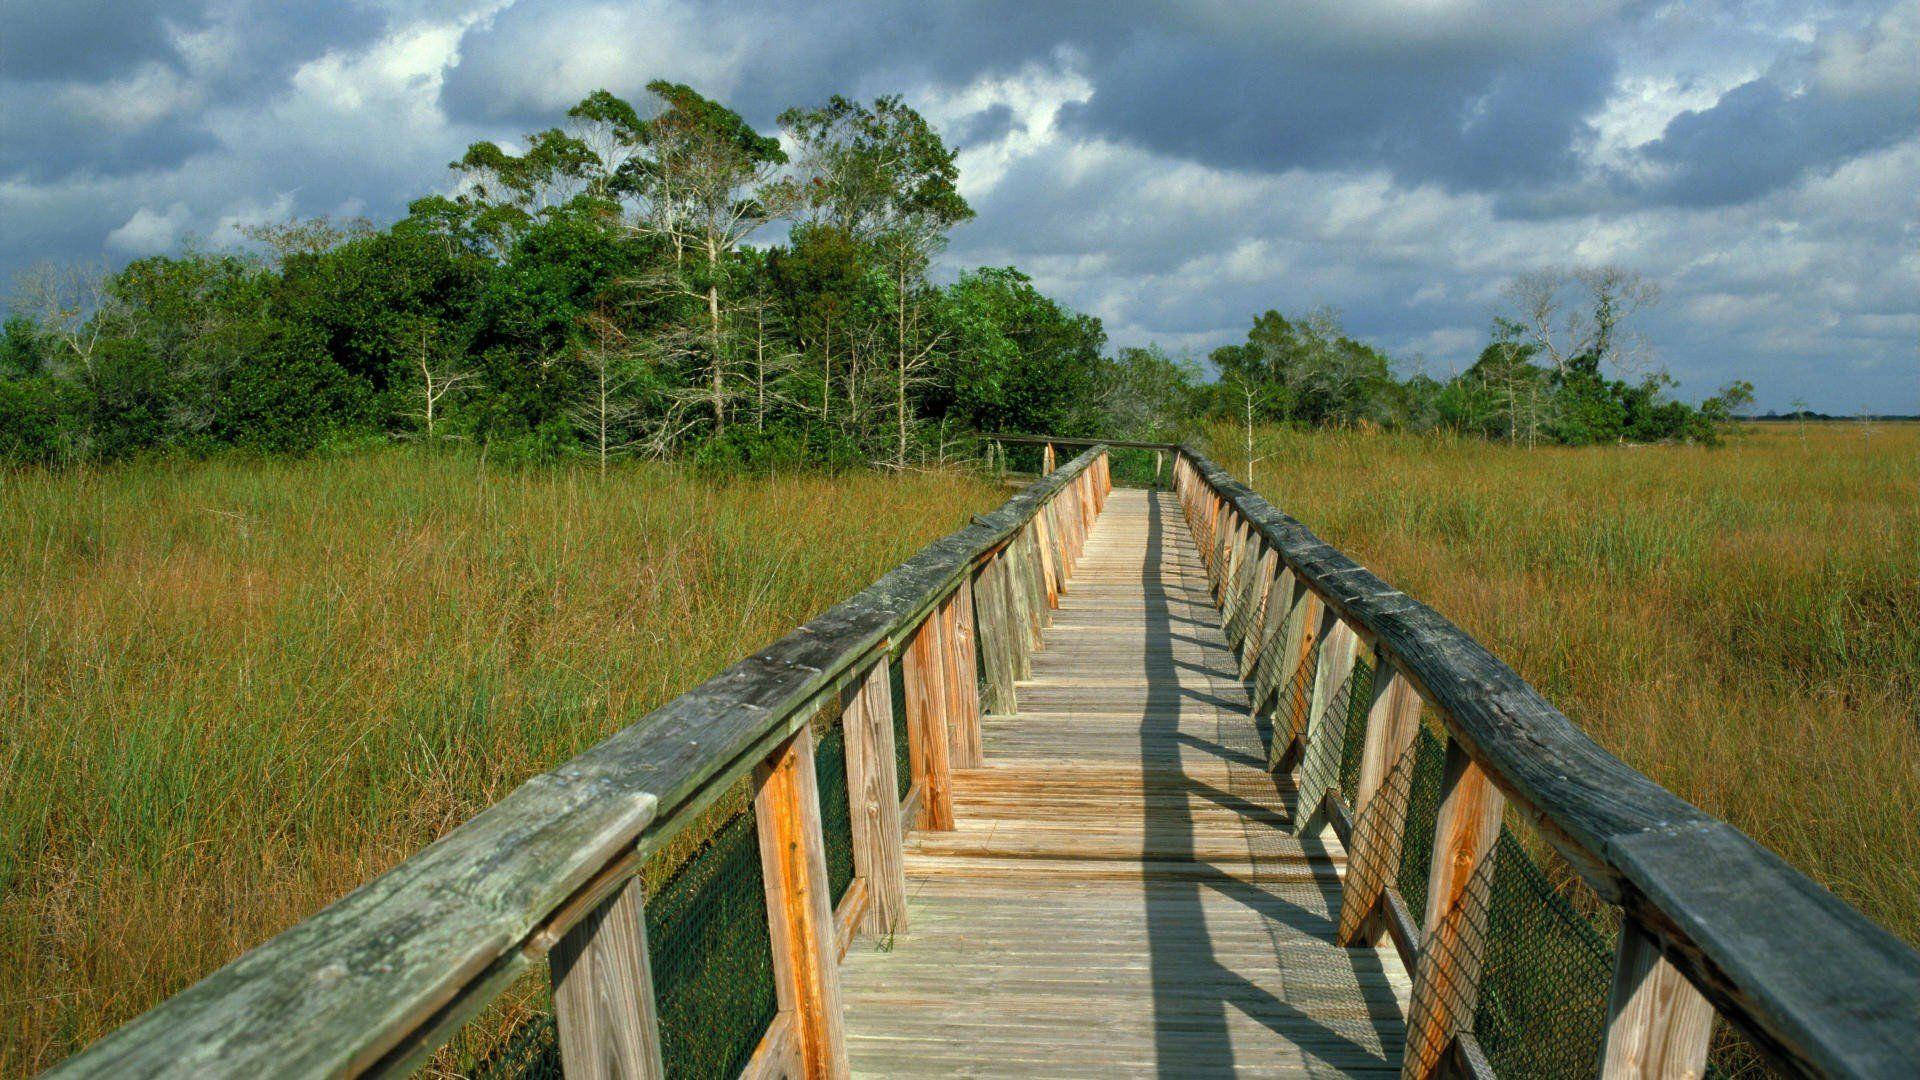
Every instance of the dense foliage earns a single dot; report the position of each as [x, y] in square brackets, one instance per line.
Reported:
[599, 293]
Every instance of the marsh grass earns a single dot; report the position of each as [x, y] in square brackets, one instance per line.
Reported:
[235, 690]
[1741, 623]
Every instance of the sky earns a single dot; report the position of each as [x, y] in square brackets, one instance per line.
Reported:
[1173, 169]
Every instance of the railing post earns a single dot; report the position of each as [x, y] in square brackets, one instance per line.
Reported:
[1049, 561]
[1266, 580]
[1305, 624]
[873, 795]
[1046, 466]
[793, 866]
[1320, 747]
[603, 993]
[995, 642]
[1033, 583]
[1018, 624]
[1269, 664]
[1379, 804]
[923, 668]
[964, 747]
[1658, 1025]
[1446, 979]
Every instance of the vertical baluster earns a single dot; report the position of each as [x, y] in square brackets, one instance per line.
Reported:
[1269, 665]
[1049, 564]
[1305, 624]
[1046, 465]
[793, 866]
[1260, 622]
[1658, 1025]
[1379, 803]
[1320, 749]
[1446, 980]
[873, 796]
[924, 670]
[1010, 575]
[995, 643]
[964, 747]
[603, 993]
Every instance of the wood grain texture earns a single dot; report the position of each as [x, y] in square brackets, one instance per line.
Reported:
[1380, 794]
[1446, 982]
[1807, 977]
[793, 868]
[994, 638]
[873, 795]
[923, 669]
[963, 686]
[1120, 894]
[1658, 1025]
[603, 993]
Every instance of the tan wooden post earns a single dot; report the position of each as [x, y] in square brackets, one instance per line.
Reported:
[1156, 467]
[1008, 575]
[995, 642]
[1049, 560]
[793, 865]
[1446, 980]
[1046, 465]
[924, 671]
[1321, 744]
[873, 796]
[1260, 622]
[1658, 1025]
[1269, 665]
[964, 748]
[1304, 627]
[1379, 804]
[603, 993]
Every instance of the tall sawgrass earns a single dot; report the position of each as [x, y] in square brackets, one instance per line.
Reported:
[233, 691]
[1741, 623]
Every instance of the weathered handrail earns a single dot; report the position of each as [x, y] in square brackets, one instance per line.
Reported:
[1810, 979]
[377, 980]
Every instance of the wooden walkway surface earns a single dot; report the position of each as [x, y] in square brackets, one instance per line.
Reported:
[1123, 894]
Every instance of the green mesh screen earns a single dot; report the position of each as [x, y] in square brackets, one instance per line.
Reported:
[902, 755]
[712, 967]
[1545, 974]
[1423, 804]
[1359, 697]
[712, 961]
[836, 815]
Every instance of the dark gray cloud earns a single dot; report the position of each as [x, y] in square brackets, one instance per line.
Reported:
[1173, 169]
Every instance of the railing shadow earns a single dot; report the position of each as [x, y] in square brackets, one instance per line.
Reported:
[1196, 995]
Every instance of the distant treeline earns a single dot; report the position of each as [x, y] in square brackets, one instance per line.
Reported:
[598, 293]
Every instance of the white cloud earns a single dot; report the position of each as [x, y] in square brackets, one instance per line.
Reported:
[150, 231]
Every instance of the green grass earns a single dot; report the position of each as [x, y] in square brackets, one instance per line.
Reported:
[1741, 623]
[236, 690]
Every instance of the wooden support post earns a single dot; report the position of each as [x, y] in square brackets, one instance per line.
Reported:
[1009, 575]
[873, 796]
[603, 993]
[1658, 1025]
[1379, 804]
[793, 864]
[1049, 558]
[1446, 980]
[1320, 746]
[1046, 464]
[1056, 536]
[1259, 621]
[1033, 584]
[1304, 626]
[964, 748]
[1268, 664]
[995, 643]
[924, 669]
[1156, 468]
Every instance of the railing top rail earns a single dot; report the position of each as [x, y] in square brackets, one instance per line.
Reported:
[1063, 440]
[1813, 979]
[377, 979]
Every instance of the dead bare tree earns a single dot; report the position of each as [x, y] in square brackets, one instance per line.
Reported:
[71, 303]
[440, 375]
[605, 408]
[1596, 327]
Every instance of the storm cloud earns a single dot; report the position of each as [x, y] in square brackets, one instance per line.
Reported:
[1170, 169]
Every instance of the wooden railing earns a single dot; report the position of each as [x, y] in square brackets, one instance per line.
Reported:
[1709, 918]
[377, 981]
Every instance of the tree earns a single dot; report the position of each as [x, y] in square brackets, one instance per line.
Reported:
[1587, 335]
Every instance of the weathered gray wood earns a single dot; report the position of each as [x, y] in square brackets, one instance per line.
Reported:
[1658, 1025]
[1380, 796]
[962, 685]
[793, 867]
[1339, 647]
[995, 641]
[1260, 624]
[603, 993]
[1446, 982]
[1807, 977]
[1305, 623]
[1011, 577]
[873, 795]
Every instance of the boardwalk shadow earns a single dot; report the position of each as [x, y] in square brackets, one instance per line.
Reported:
[1195, 994]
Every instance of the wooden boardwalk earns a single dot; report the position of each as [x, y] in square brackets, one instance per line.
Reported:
[1123, 893]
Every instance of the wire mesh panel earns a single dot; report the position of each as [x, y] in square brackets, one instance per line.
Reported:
[1359, 697]
[1295, 697]
[902, 757]
[1423, 806]
[712, 960]
[836, 814]
[1545, 974]
[1325, 764]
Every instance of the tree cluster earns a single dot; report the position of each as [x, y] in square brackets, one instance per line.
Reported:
[605, 289]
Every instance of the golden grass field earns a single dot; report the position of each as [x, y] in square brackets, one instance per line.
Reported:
[233, 691]
[1741, 623]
